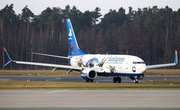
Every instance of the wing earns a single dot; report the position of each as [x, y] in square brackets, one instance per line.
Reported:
[164, 65]
[41, 64]
[160, 65]
[50, 65]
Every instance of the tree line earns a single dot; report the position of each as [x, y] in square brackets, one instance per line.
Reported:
[150, 33]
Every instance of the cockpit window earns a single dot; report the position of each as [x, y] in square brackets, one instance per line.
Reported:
[138, 63]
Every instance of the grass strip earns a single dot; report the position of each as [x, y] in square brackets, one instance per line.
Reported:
[164, 81]
[22, 85]
[36, 73]
[151, 72]
[163, 72]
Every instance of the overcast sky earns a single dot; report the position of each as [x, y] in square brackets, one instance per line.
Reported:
[37, 6]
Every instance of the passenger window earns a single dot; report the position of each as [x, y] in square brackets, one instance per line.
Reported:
[138, 63]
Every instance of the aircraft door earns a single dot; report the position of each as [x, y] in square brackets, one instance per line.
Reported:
[127, 64]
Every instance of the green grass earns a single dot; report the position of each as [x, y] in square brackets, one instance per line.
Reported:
[165, 81]
[153, 72]
[36, 73]
[22, 85]
[163, 72]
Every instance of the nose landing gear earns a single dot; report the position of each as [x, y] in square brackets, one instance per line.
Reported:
[136, 80]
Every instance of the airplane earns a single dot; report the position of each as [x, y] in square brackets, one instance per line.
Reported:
[91, 66]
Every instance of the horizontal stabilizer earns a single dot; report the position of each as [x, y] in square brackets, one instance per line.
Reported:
[56, 56]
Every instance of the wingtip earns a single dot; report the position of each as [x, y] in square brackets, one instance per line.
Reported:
[176, 57]
[4, 49]
[7, 54]
[175, 51]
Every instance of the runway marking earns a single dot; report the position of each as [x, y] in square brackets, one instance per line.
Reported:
[59, 91]
[53, 79]
[94, 102]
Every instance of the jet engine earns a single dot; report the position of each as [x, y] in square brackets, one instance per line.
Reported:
[88, 74]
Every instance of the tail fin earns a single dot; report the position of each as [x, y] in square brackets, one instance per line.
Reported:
[72, 43]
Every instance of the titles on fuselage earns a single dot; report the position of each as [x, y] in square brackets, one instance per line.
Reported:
[111, 60]
[116, 59]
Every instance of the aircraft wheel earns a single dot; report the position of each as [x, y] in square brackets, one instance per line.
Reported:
[115, 79]
[91, 80]
[136, 81]
[87, 80]
[119, 79]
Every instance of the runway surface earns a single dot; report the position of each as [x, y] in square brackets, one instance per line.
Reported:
[87, 99]
[164, 99]
[79, 79]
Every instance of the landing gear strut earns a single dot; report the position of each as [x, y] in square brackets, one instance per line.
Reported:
[117, 79]
[136, 80]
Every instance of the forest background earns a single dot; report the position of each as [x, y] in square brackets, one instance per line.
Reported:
[150, 33]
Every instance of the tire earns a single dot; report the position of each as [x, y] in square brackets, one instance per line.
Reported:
[91, 80]
[115, 79]
[87, 80]
[136, 81]
[119, 79]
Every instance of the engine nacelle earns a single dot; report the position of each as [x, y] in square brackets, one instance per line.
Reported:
[88, 74]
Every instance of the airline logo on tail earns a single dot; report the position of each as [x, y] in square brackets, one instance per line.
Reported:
[70, 33]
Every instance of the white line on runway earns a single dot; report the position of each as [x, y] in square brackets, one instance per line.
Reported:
[59, 91]
[53, 79]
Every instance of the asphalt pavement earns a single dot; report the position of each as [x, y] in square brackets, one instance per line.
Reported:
[90, 99]
[79, 79]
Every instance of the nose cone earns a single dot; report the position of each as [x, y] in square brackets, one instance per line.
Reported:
[142, 68]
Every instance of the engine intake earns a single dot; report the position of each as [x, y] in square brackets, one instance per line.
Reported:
[88, 74]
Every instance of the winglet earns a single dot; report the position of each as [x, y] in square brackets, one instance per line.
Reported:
[7, 57]
[176, 58]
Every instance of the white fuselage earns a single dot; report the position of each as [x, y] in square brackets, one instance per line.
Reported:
[116, 64]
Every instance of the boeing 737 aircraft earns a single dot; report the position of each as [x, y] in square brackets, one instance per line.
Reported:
[92, 65]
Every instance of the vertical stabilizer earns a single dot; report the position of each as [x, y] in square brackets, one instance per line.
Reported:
[72, 43]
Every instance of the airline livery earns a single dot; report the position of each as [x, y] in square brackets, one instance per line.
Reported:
[91, 66]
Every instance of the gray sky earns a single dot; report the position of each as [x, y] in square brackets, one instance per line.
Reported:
[37, 6]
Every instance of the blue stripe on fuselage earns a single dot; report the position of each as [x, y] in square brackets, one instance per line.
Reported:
[119, 74]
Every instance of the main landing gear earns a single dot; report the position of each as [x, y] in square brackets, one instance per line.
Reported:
[89, 80]
[117, 79]
[136, 80]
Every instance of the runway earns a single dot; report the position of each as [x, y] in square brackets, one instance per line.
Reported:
[79, 79]
[87, 99]
[90, 99]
